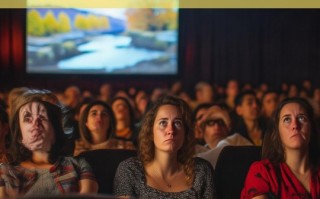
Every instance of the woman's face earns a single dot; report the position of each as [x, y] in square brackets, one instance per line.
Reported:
[36, 128]
[98, 120]
[270, 103]
[168, 129]
[120, 109]
[294, 127]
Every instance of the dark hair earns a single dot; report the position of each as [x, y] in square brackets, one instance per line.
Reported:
[198, 108]
[272, 148]
[85, 132]
[84, 101]
[131, 111]
[18, 151]
[267, 93]
[239, 98]
[146, 145]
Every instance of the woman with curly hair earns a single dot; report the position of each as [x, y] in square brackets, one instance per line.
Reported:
[165, 166]
[38, 165]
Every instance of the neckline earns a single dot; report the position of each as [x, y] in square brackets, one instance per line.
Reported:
[295, 178]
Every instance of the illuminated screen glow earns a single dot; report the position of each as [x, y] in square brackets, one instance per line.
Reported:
[102, 41]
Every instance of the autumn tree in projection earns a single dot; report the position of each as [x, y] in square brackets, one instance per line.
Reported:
[91, 22]
[35, 24]
[64, 23]
[50, 23]
[139, 19]
[151, 19]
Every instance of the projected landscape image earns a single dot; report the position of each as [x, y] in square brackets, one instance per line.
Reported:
[102, 41]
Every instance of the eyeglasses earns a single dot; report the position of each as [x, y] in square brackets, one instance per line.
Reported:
[212, 122]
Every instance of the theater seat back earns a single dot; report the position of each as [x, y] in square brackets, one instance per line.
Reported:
[104, 163]
[232, 168]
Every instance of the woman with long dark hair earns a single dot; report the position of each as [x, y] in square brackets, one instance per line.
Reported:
[290, 156]
[38, 165]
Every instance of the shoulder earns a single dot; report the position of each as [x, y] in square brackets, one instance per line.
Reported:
[130, 168]
[75, 161]
[132, 163]
[202, 164]
[263, 168]
[265, 163]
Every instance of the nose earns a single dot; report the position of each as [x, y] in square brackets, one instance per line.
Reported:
[216, 125]
[170, 129]
[98, 117]
[296, 125]
[37, 121]
[255, 105]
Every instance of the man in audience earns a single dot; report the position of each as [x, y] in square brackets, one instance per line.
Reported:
[270, 100]
[248, 121]
[216, 124]
[72, 97]
[197, 117]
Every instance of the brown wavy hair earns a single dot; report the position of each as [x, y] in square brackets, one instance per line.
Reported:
[272, 148]
[146, 147]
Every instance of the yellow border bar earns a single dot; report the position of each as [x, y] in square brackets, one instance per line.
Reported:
[104, 3]
[161, 3]
[249, 4]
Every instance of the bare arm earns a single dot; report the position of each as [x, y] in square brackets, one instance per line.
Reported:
[88, 186]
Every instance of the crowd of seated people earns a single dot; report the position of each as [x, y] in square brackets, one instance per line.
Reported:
[116, 119]
[98, 129]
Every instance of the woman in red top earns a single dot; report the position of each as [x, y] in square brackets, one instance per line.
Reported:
[290, 156]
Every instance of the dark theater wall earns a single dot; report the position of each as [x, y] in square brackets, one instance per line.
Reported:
[253, 46]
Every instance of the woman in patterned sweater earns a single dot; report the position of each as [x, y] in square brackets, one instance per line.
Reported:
[37, 165]
[166, 167]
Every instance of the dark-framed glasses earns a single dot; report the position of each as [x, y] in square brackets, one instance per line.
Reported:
[212, 122]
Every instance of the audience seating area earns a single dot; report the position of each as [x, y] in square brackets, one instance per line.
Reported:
[230, 172]
[104, 163]
[231, 169]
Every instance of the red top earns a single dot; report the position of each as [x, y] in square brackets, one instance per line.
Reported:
[265, 178]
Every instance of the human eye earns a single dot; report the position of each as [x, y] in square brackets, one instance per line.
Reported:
[104, 113]
[93, 113]
[27, 118]
[163, 123]
[250, 102]
[302, 118]
[43, 117]
[286, 120]
[178, 124]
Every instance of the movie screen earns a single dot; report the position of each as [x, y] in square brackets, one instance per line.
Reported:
[102, 41]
